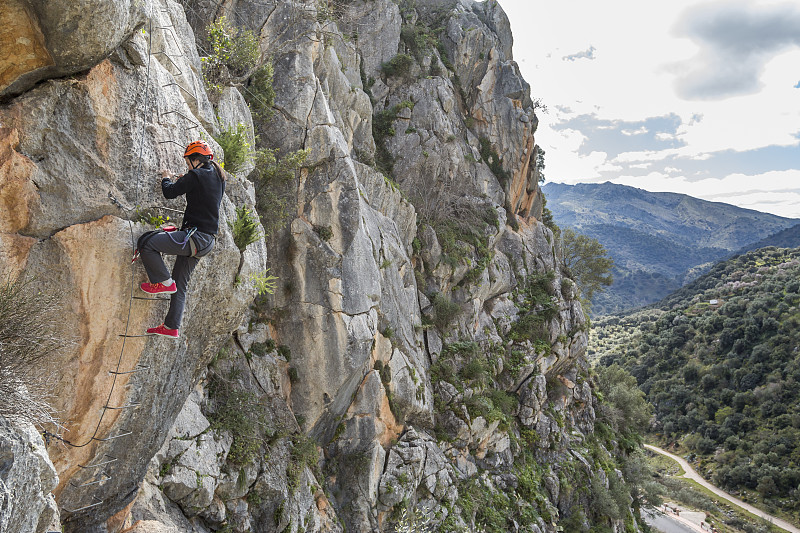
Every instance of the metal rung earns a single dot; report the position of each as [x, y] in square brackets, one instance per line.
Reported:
[161, 206]
[173, 142]
[174, 64]
[91, 482]
[99, 501]
[149, 298]
[139, 369]
[182, 87]
[122, 406]
[113, 460]
[196, 125]
[114, 437]
[137, 336]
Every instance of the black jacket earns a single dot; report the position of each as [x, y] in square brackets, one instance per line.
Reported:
[203, 188]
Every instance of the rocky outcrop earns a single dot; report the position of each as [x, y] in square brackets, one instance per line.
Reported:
[27, 478]
[54, 40]
[420, 347]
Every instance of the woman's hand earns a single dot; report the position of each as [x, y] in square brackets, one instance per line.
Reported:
[167, 174]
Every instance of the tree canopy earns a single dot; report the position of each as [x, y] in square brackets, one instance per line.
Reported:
[586, 261]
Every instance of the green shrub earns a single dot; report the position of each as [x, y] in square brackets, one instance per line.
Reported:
[263, 282]
[259, 92]
[474, 370]
[274, 178]
[285, 352]
[536, 309]
[238, 412]
[445, 311]
[244, 228]
[399, 66]
[492, 159]
[235, 146]
[234, 56]
[504, 401]
[303, 454]
[325, 232]
[148, 217]
[262, 348]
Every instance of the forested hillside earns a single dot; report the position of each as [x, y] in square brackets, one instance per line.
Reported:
[719, 361]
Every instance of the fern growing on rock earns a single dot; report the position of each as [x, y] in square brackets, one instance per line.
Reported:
[245, 228]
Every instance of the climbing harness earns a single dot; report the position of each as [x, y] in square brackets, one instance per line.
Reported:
[145, 237]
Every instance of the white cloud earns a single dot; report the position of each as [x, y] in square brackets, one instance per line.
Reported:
[637, 59]
[774, 192]
[736, 40]
[639, 131]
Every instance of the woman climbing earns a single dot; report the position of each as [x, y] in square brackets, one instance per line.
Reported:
[203, 185]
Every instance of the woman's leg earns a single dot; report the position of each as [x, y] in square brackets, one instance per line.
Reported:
[181, 272]
[152, 250]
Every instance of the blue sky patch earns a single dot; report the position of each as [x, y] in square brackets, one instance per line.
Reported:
[719, 164]
[617, 136]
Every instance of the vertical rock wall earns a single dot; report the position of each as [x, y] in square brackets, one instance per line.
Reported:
[69, 145]
[422, 348]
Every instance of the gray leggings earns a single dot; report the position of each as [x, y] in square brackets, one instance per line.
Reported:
[181, 272]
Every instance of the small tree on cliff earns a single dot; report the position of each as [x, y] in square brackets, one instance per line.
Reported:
[586, 261]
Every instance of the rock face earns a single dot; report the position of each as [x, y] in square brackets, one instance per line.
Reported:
[26, 478]
[421, 346]
[59, 39]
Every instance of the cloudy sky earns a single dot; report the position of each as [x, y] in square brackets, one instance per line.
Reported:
[696, 97]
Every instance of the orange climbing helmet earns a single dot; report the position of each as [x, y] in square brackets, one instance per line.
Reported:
[200, 148]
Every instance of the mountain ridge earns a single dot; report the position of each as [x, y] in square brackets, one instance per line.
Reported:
[658, 240]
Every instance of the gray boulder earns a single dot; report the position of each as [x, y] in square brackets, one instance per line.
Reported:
[27, 477]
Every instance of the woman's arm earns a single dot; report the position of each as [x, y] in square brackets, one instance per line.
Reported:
[180, 186]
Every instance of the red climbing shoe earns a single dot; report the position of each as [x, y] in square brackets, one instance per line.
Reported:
[159, 288]
[164, 331]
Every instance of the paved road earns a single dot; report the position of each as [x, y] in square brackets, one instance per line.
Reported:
[693, 475]
[668, 523]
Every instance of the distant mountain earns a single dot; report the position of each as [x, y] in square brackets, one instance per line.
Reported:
[787, 238]
[659, 241]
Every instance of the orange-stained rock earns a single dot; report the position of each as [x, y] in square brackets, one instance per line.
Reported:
[120, 521]
[95, 256]
[17, 192]
[22, 43]
[102, 87]
[14, 251]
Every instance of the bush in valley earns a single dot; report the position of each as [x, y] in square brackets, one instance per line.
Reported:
[718, 359]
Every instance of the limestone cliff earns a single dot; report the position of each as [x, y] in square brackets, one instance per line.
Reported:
[422, 349]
